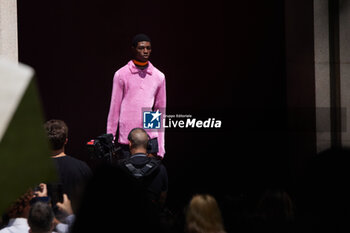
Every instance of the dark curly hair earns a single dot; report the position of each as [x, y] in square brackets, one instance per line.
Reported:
[16, 210]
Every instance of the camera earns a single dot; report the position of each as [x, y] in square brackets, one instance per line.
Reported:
[55, 192]
[102, 147]
[152, 146]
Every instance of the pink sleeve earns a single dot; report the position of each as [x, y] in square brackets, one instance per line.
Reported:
[114, 109]
[160, 103]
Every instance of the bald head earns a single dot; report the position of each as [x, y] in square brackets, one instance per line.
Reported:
[138, 139]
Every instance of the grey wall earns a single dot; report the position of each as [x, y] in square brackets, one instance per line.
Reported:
[8, 29]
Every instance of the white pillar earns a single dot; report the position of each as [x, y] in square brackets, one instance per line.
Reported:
[344, 38]
[322, 79]
[8, 29]
[322, 67]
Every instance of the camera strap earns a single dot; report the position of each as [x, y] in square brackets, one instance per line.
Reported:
[145, 170]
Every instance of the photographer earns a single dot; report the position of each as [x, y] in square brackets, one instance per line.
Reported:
[145, 167]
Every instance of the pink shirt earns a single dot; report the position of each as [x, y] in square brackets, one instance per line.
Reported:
[133, 90]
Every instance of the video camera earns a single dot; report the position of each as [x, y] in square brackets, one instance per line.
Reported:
[152, 146]
[102, 147]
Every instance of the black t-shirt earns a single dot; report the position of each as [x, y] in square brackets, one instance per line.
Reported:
[157, 181]
[73, 175]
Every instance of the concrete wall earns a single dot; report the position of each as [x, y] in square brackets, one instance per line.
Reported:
[344, 38]
[8, 29]
[322, 73]
[322, 81]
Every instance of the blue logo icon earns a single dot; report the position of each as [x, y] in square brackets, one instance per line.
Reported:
[151, 120]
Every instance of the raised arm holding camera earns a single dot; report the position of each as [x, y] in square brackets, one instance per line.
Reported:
[43, 193]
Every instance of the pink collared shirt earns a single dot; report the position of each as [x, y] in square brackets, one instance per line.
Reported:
[133, 90]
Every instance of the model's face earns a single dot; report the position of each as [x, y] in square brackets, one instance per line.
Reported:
[143, 51]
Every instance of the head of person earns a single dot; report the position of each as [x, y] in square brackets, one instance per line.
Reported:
[105, 208]
[20, 208]
[276, 204]
[203, 215]
[141, 47]
[138, 140]
[40, 218]
[57, 132]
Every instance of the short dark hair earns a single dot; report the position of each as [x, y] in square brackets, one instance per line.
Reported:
[138, 38]
[40, 217]
[57, 132]
[138, 138]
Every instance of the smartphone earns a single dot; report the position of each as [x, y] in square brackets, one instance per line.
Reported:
[55, 192]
